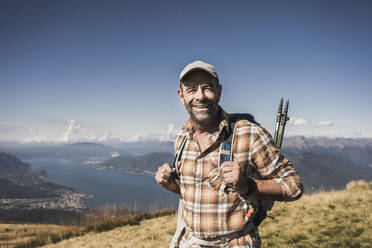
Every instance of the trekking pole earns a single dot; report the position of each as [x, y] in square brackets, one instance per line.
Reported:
[283, 122]
[278, 119]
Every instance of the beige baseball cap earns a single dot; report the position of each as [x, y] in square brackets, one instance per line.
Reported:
[198, 65]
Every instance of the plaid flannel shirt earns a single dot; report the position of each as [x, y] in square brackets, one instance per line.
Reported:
[210, 212]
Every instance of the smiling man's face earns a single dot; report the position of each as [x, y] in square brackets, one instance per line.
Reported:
[200, 93]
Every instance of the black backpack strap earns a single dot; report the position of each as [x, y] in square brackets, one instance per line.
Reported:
[243, 116]
[263, 205]
[177, 158]
[225, 152]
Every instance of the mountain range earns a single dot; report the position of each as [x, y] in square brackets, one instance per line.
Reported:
[143, 164]
[323, 163]
[83, 152]
[302, 142]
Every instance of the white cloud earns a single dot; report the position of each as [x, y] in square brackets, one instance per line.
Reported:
[171, 132]
[164, 135]
[105, 136]
[74, 133]
[324, 124]
[297, 121]
[131, 138]
[37, 135]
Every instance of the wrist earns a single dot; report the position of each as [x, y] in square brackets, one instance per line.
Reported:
[172, 186]
[250, 187]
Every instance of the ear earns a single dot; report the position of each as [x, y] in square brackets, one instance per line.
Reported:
[219, 91]
[180, 96]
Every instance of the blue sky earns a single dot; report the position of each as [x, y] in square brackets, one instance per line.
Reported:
[94, 70]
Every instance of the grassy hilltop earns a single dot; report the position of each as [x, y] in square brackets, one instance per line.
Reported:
[326, 219]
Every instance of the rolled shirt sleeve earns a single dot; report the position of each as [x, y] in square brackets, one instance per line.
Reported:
[271, 164]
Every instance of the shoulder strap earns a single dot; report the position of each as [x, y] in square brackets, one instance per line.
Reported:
[225, 152]
[177, 158]
[225, 149]
[180, 222]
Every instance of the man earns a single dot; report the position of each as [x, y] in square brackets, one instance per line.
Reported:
[220, 198]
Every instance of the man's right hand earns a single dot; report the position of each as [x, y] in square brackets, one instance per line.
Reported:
[164, 177]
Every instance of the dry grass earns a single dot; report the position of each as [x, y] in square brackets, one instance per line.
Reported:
[151, 233]
[13, 235]
[326, 219]
[99, 220]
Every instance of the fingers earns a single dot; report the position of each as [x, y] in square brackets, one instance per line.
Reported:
[166, 168]
[230, 178]
[163, 174]
[230, 171]
[229, 166]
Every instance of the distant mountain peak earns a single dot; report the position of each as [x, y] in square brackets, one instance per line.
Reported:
[85, 144]
[10, 162]
[302, 142]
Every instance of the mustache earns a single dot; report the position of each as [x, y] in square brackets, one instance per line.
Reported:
[203, 102]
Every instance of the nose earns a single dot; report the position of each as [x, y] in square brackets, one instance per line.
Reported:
[199, 95]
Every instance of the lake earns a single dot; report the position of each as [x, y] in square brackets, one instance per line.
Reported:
[141, 192]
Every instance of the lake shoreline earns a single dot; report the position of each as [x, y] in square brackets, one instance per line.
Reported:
[106, 186]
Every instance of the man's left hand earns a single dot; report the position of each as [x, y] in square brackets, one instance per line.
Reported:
[233, 176]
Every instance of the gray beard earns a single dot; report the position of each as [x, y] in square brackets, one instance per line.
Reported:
[202, 118]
